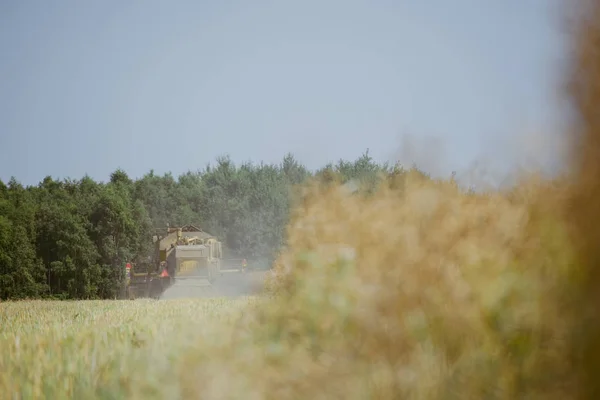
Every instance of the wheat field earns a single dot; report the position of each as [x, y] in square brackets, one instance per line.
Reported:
[104, 349]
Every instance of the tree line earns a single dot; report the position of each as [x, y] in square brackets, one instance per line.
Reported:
[69, 239]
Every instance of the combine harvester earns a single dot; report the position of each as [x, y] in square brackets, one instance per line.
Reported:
[184, 256]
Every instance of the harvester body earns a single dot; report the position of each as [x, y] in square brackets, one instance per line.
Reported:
[184, 255]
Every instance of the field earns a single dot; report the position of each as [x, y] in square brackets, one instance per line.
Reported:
[104, 349]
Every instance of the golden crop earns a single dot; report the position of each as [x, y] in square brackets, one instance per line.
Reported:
[102, 349]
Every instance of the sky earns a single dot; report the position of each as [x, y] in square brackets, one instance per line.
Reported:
[87, 87]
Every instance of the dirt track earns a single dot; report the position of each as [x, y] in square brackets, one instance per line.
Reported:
[229, 285]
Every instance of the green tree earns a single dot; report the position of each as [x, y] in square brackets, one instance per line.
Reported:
[71, 238]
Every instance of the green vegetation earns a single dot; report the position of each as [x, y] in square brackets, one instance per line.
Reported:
[70, 239]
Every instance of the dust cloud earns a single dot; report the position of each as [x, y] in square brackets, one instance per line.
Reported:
[231, 284]
[501, 159]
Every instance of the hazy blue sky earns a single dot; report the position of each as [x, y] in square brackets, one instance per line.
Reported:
[90, 86]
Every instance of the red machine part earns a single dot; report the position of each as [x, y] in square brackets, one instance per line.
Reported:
[164, 273]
